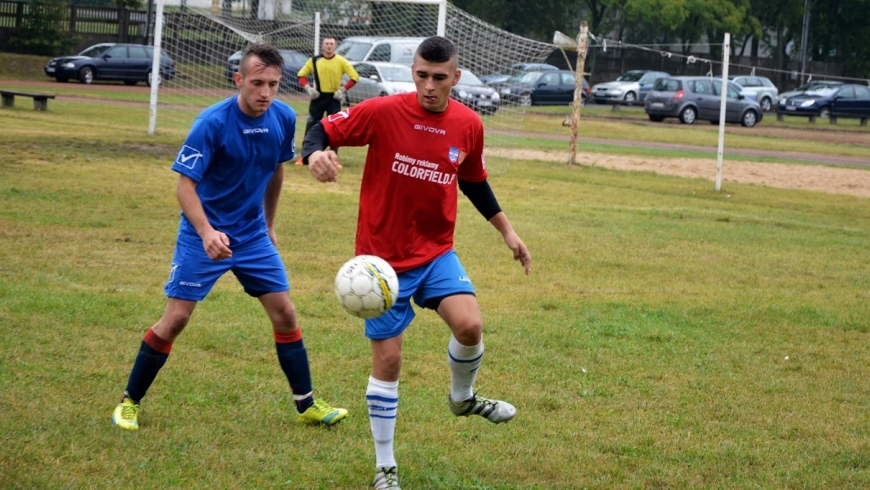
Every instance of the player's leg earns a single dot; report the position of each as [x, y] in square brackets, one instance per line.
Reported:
[191, 277]
[382, 392]
[448, 291]
[259, 269]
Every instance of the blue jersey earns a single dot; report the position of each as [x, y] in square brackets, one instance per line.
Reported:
[232, 157]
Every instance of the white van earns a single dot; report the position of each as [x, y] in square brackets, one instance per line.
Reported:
[390, 49]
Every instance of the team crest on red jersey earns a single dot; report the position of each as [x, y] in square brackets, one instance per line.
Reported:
[453, 154]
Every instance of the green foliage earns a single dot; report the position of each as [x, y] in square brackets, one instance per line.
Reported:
[43, 33]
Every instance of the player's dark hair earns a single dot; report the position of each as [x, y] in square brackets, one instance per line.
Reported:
[436, 49]
[268, 54]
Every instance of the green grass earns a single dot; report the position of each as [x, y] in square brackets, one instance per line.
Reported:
[669, 336]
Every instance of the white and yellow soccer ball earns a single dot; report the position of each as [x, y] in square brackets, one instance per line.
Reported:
[366, 286]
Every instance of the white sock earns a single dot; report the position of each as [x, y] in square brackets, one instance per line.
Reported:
[383, 402]
[464, 362]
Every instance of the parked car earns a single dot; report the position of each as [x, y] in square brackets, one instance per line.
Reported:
[472, 92]
[541, 88]
[293, 62]
[812, 85]
[847, 100]
[389, 49]
[630, 87]
[505, 73]
[761, 89]
[693, 98]
[129, 63]
[378, 79]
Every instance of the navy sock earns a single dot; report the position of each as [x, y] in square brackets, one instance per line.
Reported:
[145, 369]
[294, 361]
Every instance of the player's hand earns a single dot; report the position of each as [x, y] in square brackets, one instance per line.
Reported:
[217, 245]
[323, 165]
[312, 92]
[521, 252]
[339, 95]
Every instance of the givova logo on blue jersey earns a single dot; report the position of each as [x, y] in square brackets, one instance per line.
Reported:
[187, 157]
[453, 154]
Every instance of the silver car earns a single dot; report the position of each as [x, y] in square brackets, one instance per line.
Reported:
[632, 86]
[693, 98]
[761, 89]
[378, 79]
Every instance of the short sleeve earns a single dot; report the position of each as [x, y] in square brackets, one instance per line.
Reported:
[195, 155]
[473, 168]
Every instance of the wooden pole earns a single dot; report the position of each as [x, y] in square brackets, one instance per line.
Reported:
[578, 90]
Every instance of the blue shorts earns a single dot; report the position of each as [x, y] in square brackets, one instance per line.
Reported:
[427, 284]
[256, 264]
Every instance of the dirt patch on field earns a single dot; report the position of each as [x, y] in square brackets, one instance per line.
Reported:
[855, 182]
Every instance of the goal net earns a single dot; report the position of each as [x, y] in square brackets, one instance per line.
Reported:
[203, 38]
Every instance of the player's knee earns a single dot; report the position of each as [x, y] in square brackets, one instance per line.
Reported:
[469, 332]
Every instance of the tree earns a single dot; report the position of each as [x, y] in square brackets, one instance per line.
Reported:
[42, 33]
[535, 19]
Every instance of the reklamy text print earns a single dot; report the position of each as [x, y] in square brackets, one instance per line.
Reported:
[420, 169]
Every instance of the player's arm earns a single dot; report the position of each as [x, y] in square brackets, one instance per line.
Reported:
[270, 201]
[481, 196]
[215, 243]
[353, 77]
[321, 164]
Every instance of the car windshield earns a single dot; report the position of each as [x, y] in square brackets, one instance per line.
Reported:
[96, 51]
[630, 77]
[293, 58]
[528, 77]
[469, 78]
[397, 73]
[354, 51]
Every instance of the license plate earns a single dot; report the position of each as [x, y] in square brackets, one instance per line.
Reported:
[790, 108]
[50, 70]
[484, 103]
[657, 105]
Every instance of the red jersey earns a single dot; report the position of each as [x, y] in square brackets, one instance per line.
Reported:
[407, 208]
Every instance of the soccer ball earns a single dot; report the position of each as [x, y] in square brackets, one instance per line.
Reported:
[366, 286]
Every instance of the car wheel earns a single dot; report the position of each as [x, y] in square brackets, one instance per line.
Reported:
[86, 74]
[159, 78]
[749, 119]
[655, 118]
[62, 79]
[525, 100]
[688, 115]
[825, 112]
[766, 104]
[130, 82]
[630, 98]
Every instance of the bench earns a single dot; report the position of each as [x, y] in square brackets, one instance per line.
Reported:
[40, 101]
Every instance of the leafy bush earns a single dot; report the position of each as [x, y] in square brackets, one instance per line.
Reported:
[43, 31]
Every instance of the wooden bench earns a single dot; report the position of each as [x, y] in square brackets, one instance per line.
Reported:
[40, 101]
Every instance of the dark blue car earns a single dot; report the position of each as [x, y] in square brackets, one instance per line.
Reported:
[555, 87]
[849, 100]
[129, 63]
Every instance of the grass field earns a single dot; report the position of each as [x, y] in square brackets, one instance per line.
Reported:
[669, 336]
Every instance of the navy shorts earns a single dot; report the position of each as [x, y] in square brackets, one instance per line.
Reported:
[438, 279]
[256, 264]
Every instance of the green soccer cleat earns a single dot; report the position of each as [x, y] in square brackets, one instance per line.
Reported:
[386, 479]
[321, 413]
[496, 411]
[126, 415]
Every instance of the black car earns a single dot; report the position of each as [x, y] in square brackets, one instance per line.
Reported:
[293, 62]
[475, 94]
[554, 87]
[129, 63]
[505, 73]
[848, 100]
